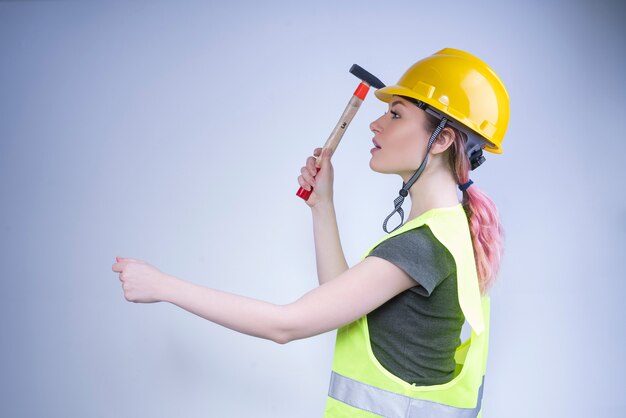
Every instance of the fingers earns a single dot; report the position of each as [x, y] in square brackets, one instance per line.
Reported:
[118, 267]
[306, 180]
[309, 171]
[133, 260]
[306, 184]
[308, 175]
[310, 165]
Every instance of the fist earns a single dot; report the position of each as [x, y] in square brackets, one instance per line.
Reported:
[321, 181]
[141, 282]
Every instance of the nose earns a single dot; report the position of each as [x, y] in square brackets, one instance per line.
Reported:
[375, 126]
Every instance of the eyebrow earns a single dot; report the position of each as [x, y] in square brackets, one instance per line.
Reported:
[396, 102]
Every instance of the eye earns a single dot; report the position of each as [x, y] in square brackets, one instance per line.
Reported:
[395, 115]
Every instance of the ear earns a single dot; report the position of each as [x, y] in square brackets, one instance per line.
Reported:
[443, 141]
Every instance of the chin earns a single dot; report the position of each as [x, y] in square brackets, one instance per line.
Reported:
[373, 165]
[378, 168]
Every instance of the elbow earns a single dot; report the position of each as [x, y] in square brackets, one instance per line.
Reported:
[281, 335]
[281, 338]
[286, 328]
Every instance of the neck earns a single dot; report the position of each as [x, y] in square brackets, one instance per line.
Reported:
[433, 189]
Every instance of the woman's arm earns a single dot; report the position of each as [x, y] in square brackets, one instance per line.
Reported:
[351, 295]
[329, 257]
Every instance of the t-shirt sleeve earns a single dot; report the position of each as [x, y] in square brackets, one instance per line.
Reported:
[420, 255]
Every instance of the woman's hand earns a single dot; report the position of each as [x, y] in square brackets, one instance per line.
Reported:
[321, 181]
[141, 281]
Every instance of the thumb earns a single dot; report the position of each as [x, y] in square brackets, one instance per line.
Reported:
[128, 259]
[325, 158]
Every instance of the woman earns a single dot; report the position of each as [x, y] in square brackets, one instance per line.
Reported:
[400, 310]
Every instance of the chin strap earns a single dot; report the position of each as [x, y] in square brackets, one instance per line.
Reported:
[404, 191]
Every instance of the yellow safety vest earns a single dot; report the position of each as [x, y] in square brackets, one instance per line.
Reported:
[361, 387]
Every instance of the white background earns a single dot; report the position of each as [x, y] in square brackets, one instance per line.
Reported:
[174, 132]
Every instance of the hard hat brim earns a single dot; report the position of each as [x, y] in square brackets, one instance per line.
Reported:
[385, 93]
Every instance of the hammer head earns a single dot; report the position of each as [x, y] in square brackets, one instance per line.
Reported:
[362, 74]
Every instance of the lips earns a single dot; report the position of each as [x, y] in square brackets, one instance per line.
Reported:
[375, 143]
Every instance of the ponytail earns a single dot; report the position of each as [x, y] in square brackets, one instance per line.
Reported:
[482, 215]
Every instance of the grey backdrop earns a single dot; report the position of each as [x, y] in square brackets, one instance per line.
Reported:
[174, 132]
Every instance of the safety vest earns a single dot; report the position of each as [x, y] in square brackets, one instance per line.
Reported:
[361, 387]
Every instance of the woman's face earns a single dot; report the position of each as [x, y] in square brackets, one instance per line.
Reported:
[400, 139]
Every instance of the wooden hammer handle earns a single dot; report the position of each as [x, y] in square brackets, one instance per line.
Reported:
[335, 136]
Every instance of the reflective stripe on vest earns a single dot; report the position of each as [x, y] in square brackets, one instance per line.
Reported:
[389, 404]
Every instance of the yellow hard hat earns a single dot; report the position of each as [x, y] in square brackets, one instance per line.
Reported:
[461, 87]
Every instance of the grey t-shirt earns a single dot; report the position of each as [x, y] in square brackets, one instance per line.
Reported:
[415, 334]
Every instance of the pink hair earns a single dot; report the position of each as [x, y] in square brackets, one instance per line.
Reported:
[483, 217]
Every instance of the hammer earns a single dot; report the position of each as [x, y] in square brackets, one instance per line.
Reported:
[357, 98]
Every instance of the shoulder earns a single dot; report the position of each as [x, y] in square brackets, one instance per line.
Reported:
[415, 241]
[421, 255]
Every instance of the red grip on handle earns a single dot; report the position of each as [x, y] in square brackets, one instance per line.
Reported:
[304, 193]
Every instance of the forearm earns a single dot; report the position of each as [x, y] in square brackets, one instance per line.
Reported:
[329, 256]
[239, 313]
